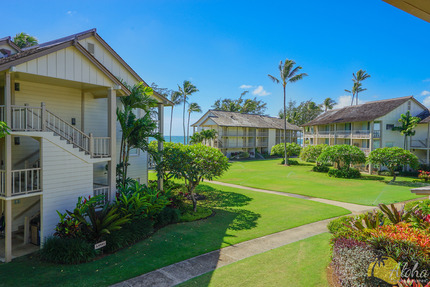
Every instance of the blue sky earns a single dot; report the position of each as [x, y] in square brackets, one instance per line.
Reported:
[222, 45]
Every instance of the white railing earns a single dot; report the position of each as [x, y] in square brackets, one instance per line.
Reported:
[2, 182]
[419, 143]
[25, 181]
[100, 146]
[365, 150]
[101, 189]
[262, 134]
[25, 118]
[65, 130]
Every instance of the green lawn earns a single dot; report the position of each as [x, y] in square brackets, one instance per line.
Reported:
[240, 215]
[270, 174]
[302, 263]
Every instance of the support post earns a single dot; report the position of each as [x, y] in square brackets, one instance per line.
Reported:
[371, 144]
[112, 146]
[91, 144]
[8, 230]
[43, 116]
[160, 143]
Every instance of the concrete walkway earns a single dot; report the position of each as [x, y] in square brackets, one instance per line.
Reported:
[185, 270]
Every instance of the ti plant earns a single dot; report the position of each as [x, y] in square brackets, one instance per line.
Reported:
[371, 220]
[395, 215]
[411, 283]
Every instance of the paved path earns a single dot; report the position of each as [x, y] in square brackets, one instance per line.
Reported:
[185, 270]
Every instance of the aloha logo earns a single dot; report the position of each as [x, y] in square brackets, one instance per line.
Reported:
[384, 269]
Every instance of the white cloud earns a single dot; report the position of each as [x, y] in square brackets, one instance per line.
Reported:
[245, 87]
[70, 12]
[259, 91]
[344, 101]
[425, 93]
[426, 101]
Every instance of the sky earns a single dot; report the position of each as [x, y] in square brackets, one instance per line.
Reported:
[226, 47]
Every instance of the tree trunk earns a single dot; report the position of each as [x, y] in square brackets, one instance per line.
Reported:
[285, 128]
[193, 198]
[183, 117]
[188, 127]
[171, 121]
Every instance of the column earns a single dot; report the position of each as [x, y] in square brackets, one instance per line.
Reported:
[160, 143]
[371, 144]
[8, 170]
[112, 136]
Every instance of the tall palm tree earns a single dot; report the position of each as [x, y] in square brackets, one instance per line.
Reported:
[328, 104]
[23, 40]
[176, 99]
[356, 88]
[192, 108]
[186, 90]
[407, 128]
[288, 74]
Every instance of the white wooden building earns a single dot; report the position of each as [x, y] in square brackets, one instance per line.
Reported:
[59, 98]
[238, 132]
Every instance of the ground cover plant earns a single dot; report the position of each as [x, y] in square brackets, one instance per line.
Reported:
[240, 215]
[299, 179]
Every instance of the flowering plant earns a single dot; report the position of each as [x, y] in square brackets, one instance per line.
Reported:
[424, 175]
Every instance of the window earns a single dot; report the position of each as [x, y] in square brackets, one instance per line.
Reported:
[327, 141]
[347, 141]
[389, 144]
[409, 105]
[376, 144]
[348, 126]
[389, 126]
[134, 152]
[376, 126]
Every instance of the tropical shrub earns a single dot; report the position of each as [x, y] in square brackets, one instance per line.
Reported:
[425, 175]
[68, 227]
[342, 156]
[290, 162]
[292, 149]
[321, 168]
[130, 233]
[345, 172]
[194, 164]
[341, 223]
[67, 250]
[392, 158]
[412, 283]
[167, 216]
[351, 260]
[311, 153]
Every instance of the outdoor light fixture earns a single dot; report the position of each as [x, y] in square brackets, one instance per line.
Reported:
[17, 141]
[73, 121]
[17, 87]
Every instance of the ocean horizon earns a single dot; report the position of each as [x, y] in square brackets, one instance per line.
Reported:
[180, 139]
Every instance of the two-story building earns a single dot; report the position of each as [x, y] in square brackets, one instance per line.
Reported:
[237, 132]
[59, 99]
[367, 126]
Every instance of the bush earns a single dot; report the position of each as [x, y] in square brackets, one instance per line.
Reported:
[310, 153]
[342, 156]
[168, 215]
[338, 224]
[290, 162]
[67, 250]
[129, 234]
[321, 168]
[292, 149]
[345, 173]
[351, 260]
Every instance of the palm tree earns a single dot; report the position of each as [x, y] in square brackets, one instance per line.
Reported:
[407, 127]
[328, 104]
[356, 88]
[186, 90]
[209, 134]
[24, 40]
[288, 74]
[192, 108]
[176, 99]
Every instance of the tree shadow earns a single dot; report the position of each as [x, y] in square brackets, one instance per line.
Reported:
[218, 198]
[407, 183]
[372, 177]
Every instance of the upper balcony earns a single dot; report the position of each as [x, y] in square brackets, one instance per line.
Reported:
[354, 134]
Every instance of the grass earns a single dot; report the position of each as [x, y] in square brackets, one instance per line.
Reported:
[302, 263]
[240, 215]
[299, 179]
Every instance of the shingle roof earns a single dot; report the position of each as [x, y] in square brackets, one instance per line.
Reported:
[365, 112]
[232, 119]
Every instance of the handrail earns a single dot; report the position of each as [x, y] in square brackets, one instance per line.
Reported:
[69, 132]
[26, 180]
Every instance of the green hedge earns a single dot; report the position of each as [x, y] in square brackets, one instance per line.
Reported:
[344, 173]
[67, 250]
[128, 234]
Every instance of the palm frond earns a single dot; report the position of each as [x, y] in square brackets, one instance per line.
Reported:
[275, 80]
[297, 77]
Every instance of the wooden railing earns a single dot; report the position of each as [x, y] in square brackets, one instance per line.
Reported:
[101, 189]
[100, 146]
[25, 118]
[68, 132]
[2, 182]
[26, 181]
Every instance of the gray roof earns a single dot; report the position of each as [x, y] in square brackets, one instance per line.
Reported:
[233, 119]
[365, 112]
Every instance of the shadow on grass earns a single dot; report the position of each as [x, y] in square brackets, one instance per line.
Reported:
[406, 183]
[372, 177]
[223, 199]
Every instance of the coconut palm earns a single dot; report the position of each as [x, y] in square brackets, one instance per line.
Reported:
[192, 108]
[288, 74]
[186, 90]
[356, 88]
[24, 40]
[176, 99]
[328, 104]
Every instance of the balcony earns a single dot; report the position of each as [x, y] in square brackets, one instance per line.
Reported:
[237, 134]
[356, 134]
[418, 143]
[23, 181]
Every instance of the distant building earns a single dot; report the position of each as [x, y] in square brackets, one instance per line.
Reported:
[370, 126]
[245, 132]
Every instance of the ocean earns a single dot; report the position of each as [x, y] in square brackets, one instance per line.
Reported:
[180, 139]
